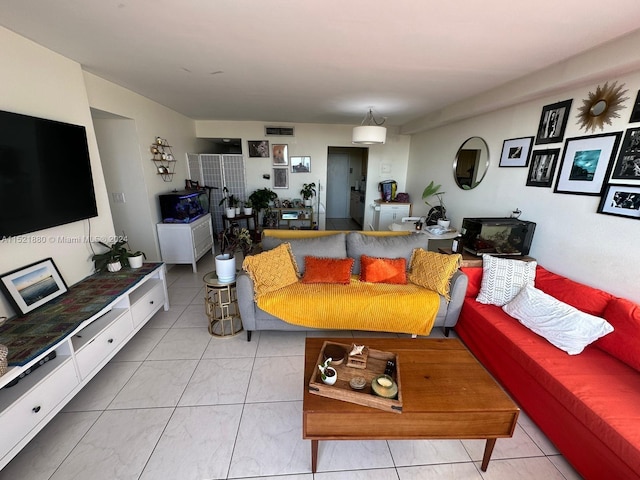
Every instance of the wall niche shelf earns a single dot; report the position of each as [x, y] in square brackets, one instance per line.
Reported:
[163, 158]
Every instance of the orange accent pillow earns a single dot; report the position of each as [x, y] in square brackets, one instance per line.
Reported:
[383, 270]
[327, 270]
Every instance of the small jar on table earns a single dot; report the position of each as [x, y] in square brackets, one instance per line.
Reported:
[221, 306]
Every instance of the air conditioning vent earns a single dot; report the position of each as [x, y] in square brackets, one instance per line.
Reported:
[280, 131]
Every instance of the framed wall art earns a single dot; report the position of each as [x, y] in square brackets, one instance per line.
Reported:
[258, 148]
[300, 164]
[621, 201]
[280, 178]
[627, 165]
[280, 155]
[30, 287]
[635, 113]
[543, 167]
[553, 122]
[516, 152]
[586, 163]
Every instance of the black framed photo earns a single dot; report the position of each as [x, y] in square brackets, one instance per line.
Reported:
[586, 163]
[621, 201]
[280, 155]
[543, 167]
[635, 113]
[280, 178]
[553, 122]
[516, 152]
[300, 164]
[258, 148]
[30, 287]
[627, 165]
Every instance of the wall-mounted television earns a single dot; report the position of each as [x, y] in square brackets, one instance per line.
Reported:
[45, 174]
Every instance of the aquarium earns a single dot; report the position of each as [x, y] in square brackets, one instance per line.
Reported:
[183, 206]
[497, 236]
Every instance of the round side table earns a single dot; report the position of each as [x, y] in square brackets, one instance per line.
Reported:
[221, 305]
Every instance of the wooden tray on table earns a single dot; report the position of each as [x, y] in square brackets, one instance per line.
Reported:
[341, 390]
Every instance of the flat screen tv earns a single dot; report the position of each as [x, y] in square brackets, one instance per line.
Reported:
[45, 174]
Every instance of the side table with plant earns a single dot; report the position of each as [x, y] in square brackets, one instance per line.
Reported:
[232, 240]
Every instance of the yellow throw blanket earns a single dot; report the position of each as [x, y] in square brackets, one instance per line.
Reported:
[358, 306]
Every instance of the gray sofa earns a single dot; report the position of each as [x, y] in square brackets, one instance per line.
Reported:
[341, 245]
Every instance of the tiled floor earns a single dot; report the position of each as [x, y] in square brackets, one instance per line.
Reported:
[341, 224]
[177, 404]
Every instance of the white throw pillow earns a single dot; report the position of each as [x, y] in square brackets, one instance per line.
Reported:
[562, 325]
[503, 278]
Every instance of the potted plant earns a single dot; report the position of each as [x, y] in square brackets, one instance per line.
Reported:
[262, 199]
[232, 239]
[113, 259]
[438, 213]
[247, 208]
[327, 372]
[229, 202]
[135, 259]
[307, 192]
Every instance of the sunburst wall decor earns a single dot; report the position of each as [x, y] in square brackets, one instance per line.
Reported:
[601, 106]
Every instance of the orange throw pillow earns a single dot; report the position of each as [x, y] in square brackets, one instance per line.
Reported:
[327, 270]
[383, 270]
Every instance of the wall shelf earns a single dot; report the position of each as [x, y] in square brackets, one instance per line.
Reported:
[163, 158]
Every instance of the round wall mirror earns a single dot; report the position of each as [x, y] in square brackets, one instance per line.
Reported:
[471, 163]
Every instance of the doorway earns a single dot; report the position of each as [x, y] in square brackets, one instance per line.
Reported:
[346, 176]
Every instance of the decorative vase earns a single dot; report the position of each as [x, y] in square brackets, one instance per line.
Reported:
[135, 262]
[225, 268]
[248, 210]
[329, 378]
[230, 212]
[114, 266]
[444, 223]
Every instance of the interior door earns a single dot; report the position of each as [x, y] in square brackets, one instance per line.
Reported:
[338, 185]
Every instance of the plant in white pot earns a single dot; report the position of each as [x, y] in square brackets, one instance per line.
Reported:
[136, 259]
[307, 192]
[229, 202]
[118, 255]
[232, 239]
[438, 213]
[247, 208]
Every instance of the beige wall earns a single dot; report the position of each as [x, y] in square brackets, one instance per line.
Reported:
[571, 238]
[35, 81]
[313, 140]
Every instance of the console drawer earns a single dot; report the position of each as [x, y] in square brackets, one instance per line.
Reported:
[103, 344]
[150, 302]
[22, 416]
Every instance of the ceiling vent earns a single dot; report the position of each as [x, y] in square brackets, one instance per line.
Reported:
[280, 131]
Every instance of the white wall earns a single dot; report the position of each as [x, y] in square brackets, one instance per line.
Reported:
[312, 140]
[36, 81]
[151, 120]
[571, 238]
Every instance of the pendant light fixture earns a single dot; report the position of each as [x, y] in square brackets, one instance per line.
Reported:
[370, 131]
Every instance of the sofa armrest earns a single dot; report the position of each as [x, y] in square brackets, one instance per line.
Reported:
[246, 304]
[457, 291]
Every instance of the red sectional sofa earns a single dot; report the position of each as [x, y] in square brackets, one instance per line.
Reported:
[588, 404]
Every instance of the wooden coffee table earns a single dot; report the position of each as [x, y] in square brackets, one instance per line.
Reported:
[446, 394]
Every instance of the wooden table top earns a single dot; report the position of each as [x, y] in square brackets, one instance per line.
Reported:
[446, 393]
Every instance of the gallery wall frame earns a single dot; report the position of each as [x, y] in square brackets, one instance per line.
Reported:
[281, 178]
[635, 113]
[258, 148]
[32, 286]
[300, 164]
[516, 152]
[627, 166]
[621, 201]
[543, 167]
[586, 163]
[553, 122]
[280, 155]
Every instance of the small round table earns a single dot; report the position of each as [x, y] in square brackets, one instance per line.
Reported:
[221, 304]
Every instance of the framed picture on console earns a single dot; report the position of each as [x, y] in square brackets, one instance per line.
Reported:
[516, 152]
[586, 163]
[621, 200]
[30, 287]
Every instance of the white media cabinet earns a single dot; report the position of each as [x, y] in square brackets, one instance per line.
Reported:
[186, 242]
[28, 406]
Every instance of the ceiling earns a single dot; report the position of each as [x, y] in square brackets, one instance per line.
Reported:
[309, 61]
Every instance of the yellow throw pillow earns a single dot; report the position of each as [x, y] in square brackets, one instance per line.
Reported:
[271, 270]
[433, 270]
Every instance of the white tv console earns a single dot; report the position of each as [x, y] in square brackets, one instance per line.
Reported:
[28, 406]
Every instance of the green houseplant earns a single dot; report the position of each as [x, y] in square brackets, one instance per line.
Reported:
[307, 192]
[439, 211]
[232, 239]
[117, 255]
[260, 200]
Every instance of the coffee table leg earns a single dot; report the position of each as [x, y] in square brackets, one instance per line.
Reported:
[314, 455]
[488, 450]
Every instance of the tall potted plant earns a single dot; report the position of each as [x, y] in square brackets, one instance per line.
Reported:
[232, 239]
[261, 200]
[307, 192]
